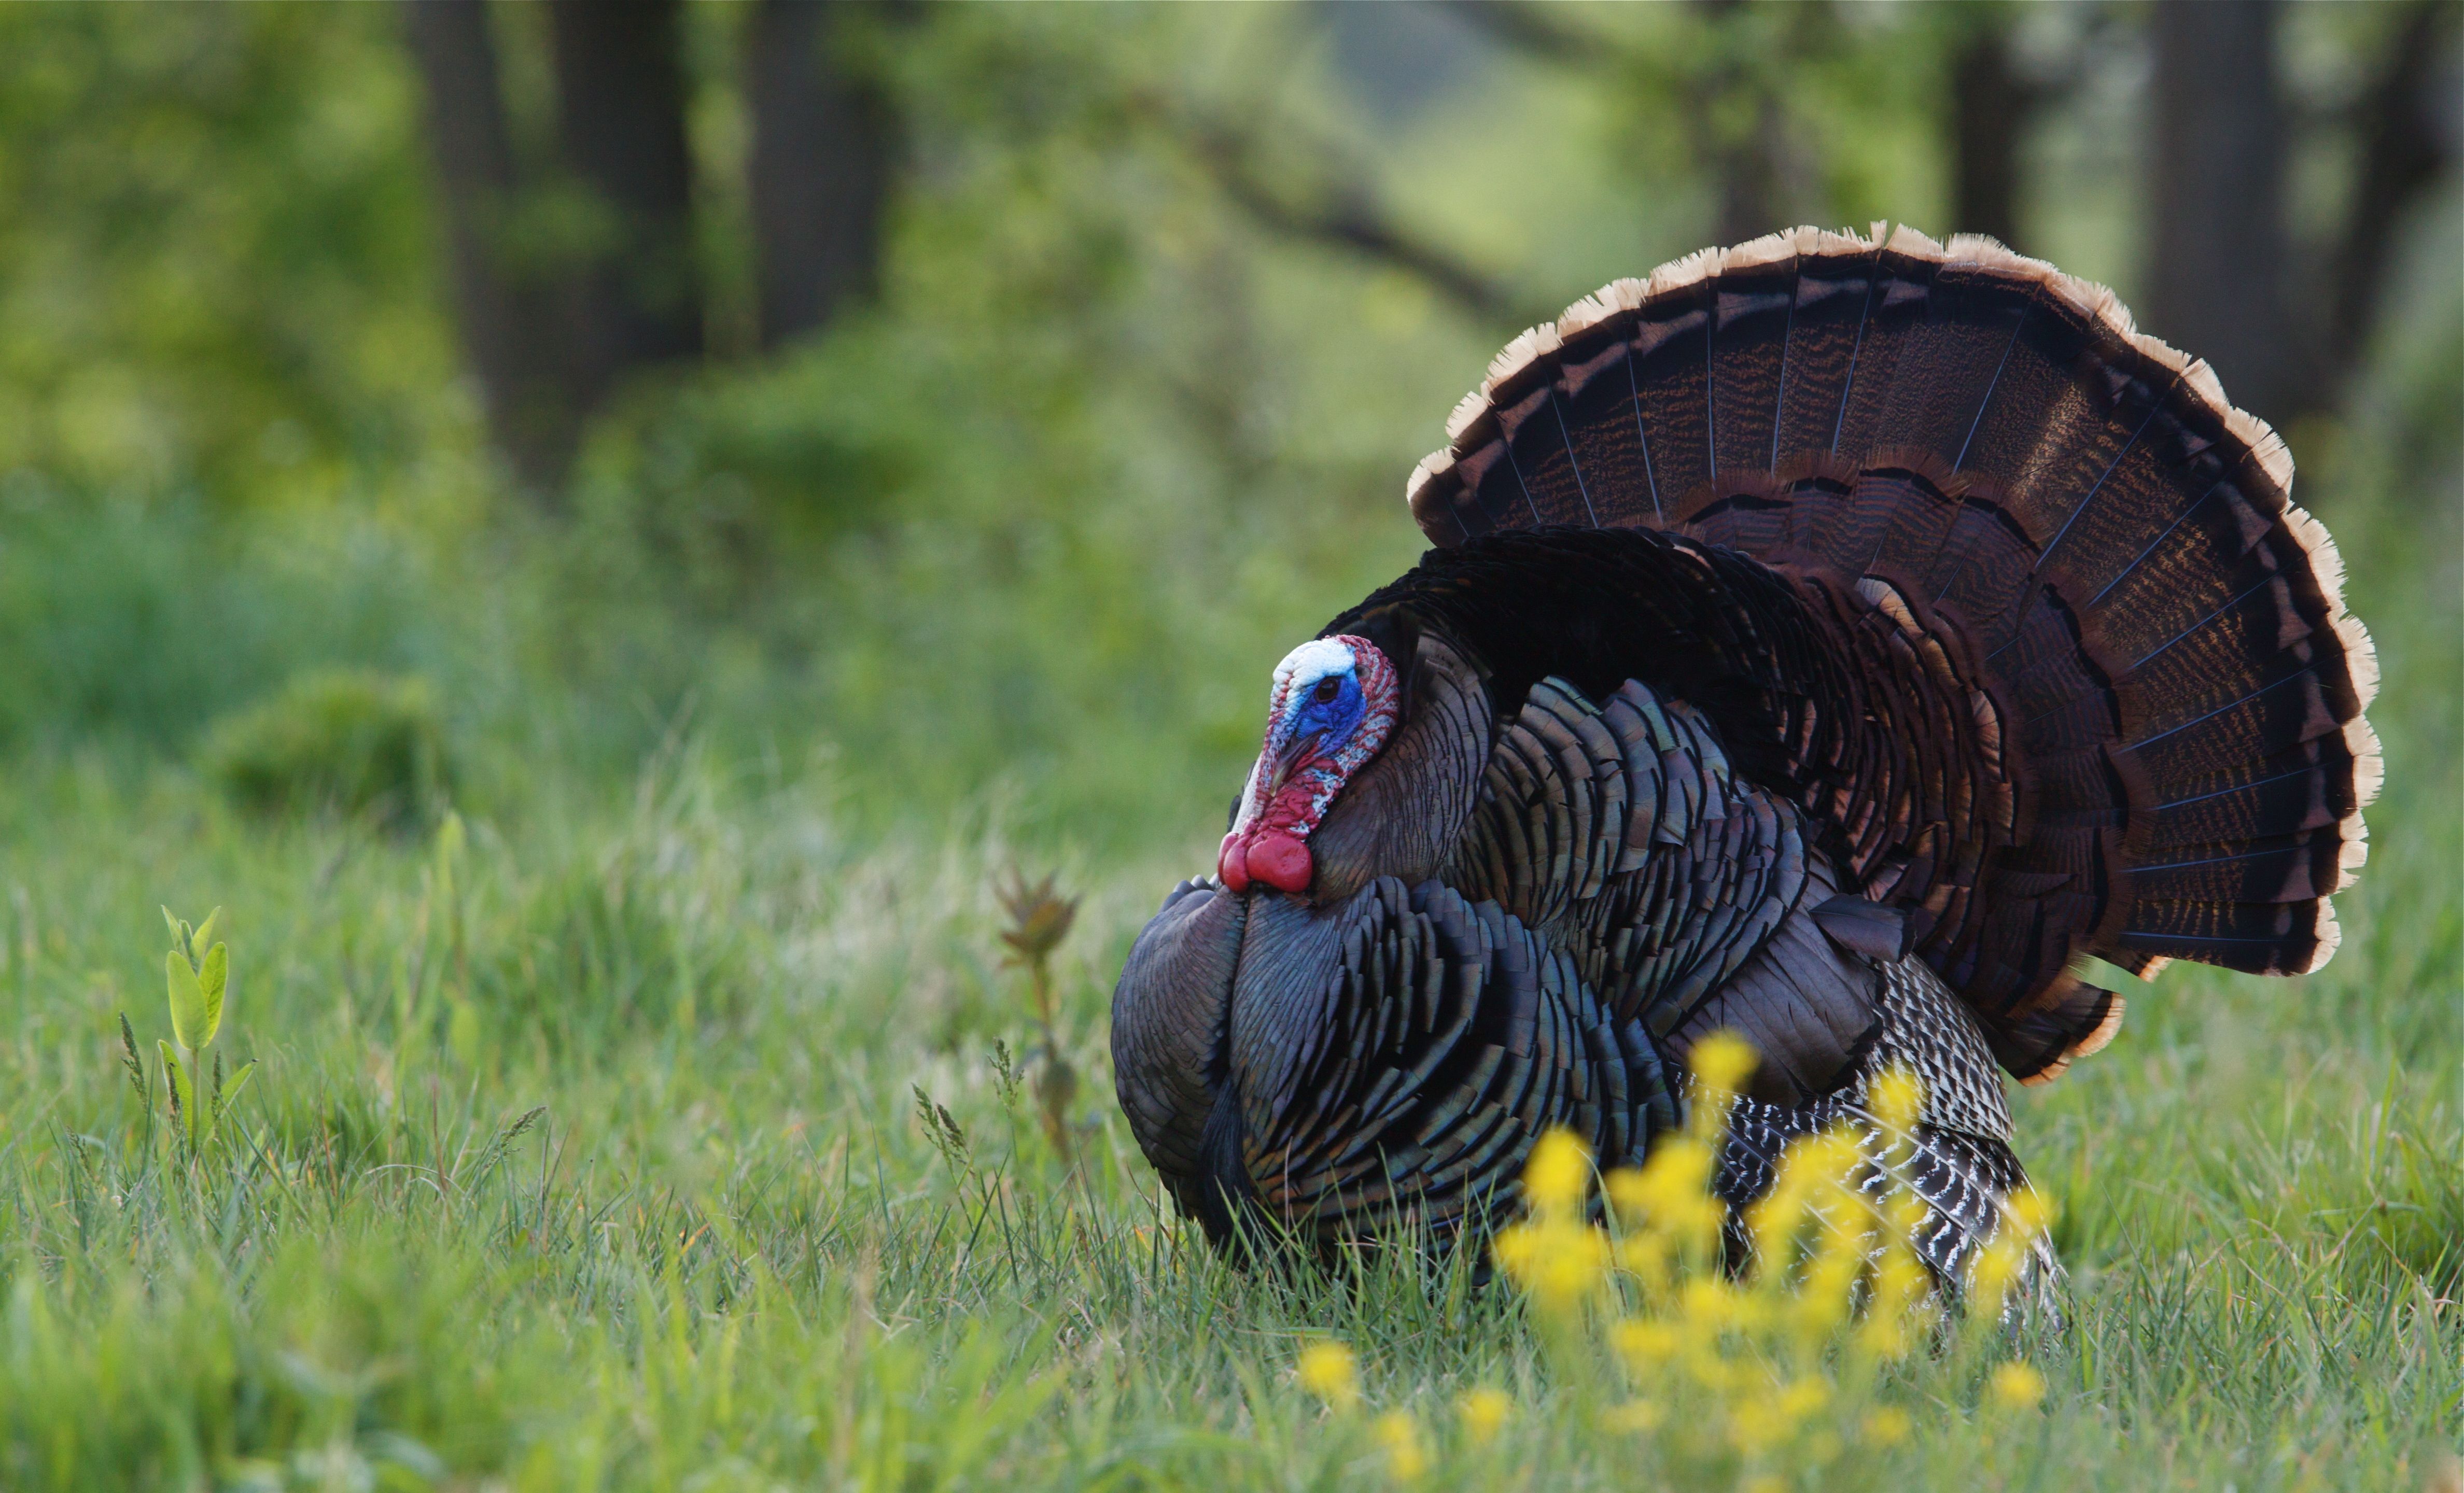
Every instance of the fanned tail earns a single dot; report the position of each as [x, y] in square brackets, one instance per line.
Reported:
[1968, 458]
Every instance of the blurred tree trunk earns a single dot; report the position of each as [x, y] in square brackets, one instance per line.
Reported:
[2405, 149]
[1991, 105]
[566, 285]
[2216, 275]
[824, 138]
[1742, 130]
[510, 324]
[2221, 261]
[621, 121]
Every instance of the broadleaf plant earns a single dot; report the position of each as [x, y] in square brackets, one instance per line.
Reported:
[197, 983]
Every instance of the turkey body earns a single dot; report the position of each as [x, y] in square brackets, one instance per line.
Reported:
[1829, 640]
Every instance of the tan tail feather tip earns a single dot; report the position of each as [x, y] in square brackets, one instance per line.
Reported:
[1466, 410]
[2087, 1045]
[2091, 299]
[2369, 762]
[2105, 1031]
[2330, 935]
[1532, 344]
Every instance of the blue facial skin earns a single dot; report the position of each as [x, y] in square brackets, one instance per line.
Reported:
[1325, 723]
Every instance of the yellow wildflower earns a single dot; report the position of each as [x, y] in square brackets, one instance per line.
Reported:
[1773, 1221]
[1722, 1061]
[1484, 1413]
[1895, 1098]
[1887, 1425]
[1710, 1303]
[1558, 1260]
[1636, 1416]
[1997, 1266]
[1705, 1367]
[1906, 1214]
[1847, 1228]
[1803, 1397]
[1671, 1195]
[1830, 1285]
[2017, 1386]
[1646, 1256]
[1811, 1159]
[2031, 1212]
[1695, 1224]
[1679, 1169]
[1885, 1335]
[1814, 1314]
[1406, 1458]
[1903, 1275]
[1645, 1344]
[1756, 1425]
[1558, 1174]
[1751, 1311]
[1330, 1371]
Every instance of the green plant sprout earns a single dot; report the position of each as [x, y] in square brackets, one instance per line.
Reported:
[1040, 917]
[199, 1097]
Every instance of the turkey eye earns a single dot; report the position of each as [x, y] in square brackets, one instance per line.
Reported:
[1326, 689]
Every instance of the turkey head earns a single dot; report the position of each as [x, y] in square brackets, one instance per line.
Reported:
[1333, 703]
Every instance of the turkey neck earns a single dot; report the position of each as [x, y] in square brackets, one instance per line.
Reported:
[1220, 996]
[1401, 815]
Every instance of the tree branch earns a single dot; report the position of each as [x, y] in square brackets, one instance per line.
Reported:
[1345, 213]
[2403, 154]
[1533, 29]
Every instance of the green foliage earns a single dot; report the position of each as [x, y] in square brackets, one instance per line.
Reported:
[352, 741]
[197, 980]
[117, 618]
[195, 1095]
[216, 265]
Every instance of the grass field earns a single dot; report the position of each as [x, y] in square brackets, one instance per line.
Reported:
[590, 1157]
[679, 1124]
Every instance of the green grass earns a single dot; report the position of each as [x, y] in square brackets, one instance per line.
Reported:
[601, 1168]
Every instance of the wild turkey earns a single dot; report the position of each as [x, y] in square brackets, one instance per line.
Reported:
[1831, 638]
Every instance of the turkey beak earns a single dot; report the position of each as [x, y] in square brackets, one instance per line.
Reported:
[1297, 752]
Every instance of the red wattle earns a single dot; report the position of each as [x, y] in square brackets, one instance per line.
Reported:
[1232, 864]
[1279, 861]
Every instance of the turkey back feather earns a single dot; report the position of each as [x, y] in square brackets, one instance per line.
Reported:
[2031, 629]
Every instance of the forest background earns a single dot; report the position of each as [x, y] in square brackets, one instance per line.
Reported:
[770, 470]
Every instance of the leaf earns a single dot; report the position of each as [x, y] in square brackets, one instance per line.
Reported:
[462, 1033]
[205, 930]
[179, 931]
[238, 1081]
[188, 999]
[211, 979]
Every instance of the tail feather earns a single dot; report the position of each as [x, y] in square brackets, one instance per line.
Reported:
[1989, 458]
